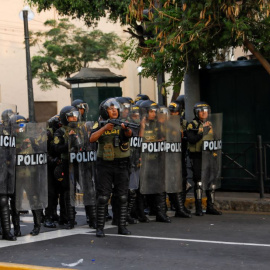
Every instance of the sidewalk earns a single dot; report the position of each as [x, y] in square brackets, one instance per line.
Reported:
[236, 201]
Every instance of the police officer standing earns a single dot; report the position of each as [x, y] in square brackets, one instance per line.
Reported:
[112, 164]
[69, 117]
[196, 130]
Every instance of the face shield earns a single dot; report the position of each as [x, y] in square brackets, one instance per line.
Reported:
[83, 106]
[111, 104]
[73, 114]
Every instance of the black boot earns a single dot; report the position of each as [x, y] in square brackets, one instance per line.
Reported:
[123, 216]
[15, 217]
[140, 208]
[37, 214]
[161, 208]
[179, 205]
[91, 212]
[210, 209]
[5, 219]
[70, 212]
[131, 201]
[101, 210]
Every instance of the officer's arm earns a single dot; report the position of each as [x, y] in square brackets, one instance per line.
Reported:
[96, 133]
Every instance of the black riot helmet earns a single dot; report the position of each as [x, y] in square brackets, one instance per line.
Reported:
[163, 109]
[131, 101]
[199, 107]
[124, 102]
[124, 106]
[181, 100]
[175, 107]
[146, 106]
[108, 103]
[66, 112]
[134, 109]
[80, 104]
[54, 122]
[19, 122]
[6, 115]
[141, 97]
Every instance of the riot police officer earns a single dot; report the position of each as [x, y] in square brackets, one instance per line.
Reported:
[178, 199]
[53, 159]
[151, 131]
[112, 164]
[69, 116]
[196, 130]
[7, 180]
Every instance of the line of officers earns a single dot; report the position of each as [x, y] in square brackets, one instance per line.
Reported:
[134, 157]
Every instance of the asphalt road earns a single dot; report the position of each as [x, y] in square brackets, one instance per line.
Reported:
[230, 241]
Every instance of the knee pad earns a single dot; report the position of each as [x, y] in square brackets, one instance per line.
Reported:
[103, 200]
[3, 200]
[122, 199]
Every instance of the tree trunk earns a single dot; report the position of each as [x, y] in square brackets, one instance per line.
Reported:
[192, 91]
[261, 59]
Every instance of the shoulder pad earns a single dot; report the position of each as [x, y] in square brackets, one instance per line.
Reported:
[95, 125]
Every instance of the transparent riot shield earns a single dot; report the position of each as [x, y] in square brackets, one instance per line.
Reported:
[173, 156]
[212, 153]
[135, 159]
[31, 166]
[7, 149]
[152, 172]
[82, 159]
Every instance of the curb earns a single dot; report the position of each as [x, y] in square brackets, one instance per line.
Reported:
[15, 266]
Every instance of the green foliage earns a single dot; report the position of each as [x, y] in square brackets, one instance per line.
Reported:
[65, 49]
[89, 11]
[191, 33]
[185, 33]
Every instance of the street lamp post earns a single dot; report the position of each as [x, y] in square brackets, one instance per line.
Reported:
[140, 78]
[26, 15]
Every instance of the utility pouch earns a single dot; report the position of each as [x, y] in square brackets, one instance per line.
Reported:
[116, 141]
[108, 152]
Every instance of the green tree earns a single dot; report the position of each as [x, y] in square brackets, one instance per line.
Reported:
[188, 33]
[65, 49]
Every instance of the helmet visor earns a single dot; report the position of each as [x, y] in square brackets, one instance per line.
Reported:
[111, 104]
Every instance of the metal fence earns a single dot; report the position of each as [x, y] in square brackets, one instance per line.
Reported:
[249, 159]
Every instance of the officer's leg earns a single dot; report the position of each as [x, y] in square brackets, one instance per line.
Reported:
[15, 216]
[48, 222]
[131, 202]
[91, 212]
[123, 215]
[198, 198]
[121, 184]
[179, 205]
[115, 209]
[197, 169]
[210, 194]
[101, 205]
[5, 219]
[161, 208]
[140, 207]
[37, 215]
[104, 190]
